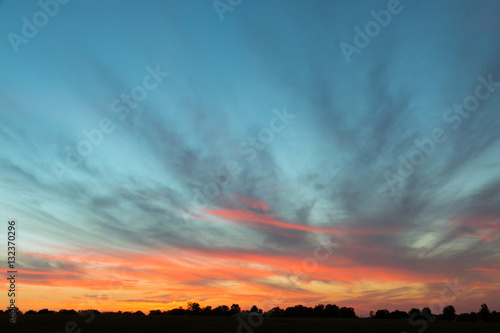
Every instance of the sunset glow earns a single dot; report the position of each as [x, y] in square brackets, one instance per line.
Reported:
[155, 153]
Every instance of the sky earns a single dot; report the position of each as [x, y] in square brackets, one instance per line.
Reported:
[259, 152]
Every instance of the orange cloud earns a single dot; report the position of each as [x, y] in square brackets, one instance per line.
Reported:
[167, 277]
[241, 217]
[256, 204]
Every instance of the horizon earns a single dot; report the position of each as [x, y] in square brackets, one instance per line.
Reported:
[248, 309]
[253, 152]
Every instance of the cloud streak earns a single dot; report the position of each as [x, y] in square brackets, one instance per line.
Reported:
[323, 175]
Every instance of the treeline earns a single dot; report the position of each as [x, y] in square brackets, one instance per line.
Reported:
[71, 312]
[194, 308]
[449, 313]
[318, 311]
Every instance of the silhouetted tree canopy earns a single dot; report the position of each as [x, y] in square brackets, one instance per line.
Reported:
[449, 312]
[221, 310]
[155, 312]
[345, 312]
[331, 310]
[207, 310]
[320, 310]
[275, 312]
[426, 314]
[484, 313]
[414, 311]
[194, 308]
[398, 314]
[235, 308]
[382, 314]
[177, 311]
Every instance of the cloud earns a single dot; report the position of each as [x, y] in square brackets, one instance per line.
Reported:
[322, 175]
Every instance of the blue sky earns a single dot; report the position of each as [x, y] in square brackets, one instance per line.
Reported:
[223, 82]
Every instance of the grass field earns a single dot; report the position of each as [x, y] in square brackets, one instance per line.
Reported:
[56, 323]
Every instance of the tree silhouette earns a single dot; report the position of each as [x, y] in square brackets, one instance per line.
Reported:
[473, 317]
[318, 310]
[427, 314]
[275, 312]
[331, 310]
[414, 311]
[194, 307]
[398, 314]
[382, 314]
[484, 313]
[297, 311]
[221, 310]
[177, 311]
[207, 310]
[235, 308]
[155, 312]
[346, 312]
[449, 312]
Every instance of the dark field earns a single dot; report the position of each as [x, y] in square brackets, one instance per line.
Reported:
[56, 323]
